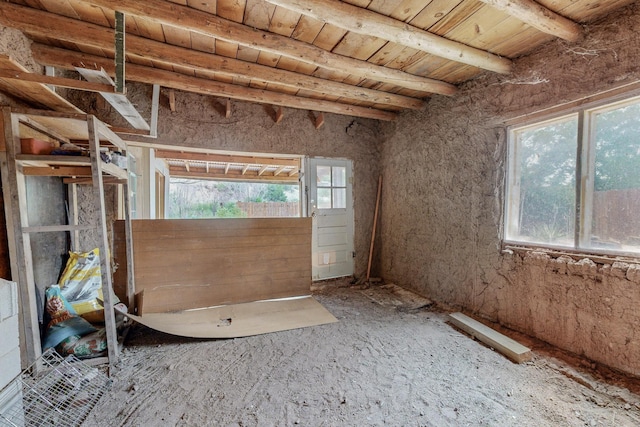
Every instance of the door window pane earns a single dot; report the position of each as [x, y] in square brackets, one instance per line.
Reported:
[324, 198]
[339, 198]
[332, 182]
[324, 176]
[339, 176]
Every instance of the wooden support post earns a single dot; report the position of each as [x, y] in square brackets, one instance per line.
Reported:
[227, 112]
[15, 199]
[279, 115]
[105, 262]
[131, 284]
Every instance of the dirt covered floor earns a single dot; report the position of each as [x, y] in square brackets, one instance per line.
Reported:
[389, 360]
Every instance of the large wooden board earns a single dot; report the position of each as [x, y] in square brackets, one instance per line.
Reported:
[240, 320]
[182, 264]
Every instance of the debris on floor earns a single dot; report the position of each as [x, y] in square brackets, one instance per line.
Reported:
[54, 391]
[494, 339]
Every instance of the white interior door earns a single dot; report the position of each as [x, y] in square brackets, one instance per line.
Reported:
[330, 201]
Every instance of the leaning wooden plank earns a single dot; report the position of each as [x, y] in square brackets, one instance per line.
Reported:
[240, 320]
[118, 101]
[32, 92]
[505, 345]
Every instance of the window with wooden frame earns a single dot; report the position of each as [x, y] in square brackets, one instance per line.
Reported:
[573, 181]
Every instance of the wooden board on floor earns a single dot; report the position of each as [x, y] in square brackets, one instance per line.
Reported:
[240, 320]
[505, 345]
[182, 264]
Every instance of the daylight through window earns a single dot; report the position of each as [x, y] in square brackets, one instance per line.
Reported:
[574, 181]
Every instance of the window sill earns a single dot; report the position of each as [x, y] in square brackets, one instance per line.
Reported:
[600, 258]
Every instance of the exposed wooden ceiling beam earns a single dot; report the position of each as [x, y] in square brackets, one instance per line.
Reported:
[68, 59]
[363, 21]
[538, 16]
[211, 25]
[56, 81]
[54, 26]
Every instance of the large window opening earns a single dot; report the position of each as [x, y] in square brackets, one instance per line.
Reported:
[225, 185]
[192, 198]
[574, 181]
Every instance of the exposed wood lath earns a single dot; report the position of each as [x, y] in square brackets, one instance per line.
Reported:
[361, 58]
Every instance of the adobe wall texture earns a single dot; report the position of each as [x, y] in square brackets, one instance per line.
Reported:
[45, 196]
[441, 219]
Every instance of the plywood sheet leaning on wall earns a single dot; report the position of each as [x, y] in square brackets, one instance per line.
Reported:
[184, 264]
[240, 320]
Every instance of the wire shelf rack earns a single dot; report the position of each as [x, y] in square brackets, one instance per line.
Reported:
[54, 391]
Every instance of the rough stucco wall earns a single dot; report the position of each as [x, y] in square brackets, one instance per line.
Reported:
[196, 123]
[15, 45]
[45, 196]
[46, 206]
[442, 203]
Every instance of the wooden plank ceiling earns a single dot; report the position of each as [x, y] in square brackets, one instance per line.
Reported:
[230, 167]
[365, 58]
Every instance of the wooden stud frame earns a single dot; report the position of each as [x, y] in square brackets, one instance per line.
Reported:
[14, 189]
[105, 264]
